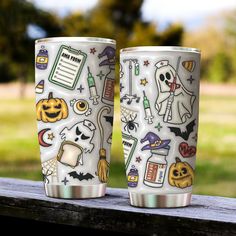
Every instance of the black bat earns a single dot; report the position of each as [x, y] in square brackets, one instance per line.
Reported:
[109, 119]
[81, 176]
[185, 134]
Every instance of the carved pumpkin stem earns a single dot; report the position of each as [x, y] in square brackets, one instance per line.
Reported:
[50, 95]
[177, 160]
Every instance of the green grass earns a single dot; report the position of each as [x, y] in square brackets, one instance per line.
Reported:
[216, 157]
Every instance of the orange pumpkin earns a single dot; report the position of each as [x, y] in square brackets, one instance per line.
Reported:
[181, 174]
[51, 109]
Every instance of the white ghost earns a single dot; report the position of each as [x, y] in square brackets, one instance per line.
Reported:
[77, 140]
[177, 105]
[81, 133]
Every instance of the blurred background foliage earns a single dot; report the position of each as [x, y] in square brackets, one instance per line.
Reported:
[19, 152]
[112, 18]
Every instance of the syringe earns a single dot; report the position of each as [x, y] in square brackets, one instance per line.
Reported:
[147, 109]
[92, 88]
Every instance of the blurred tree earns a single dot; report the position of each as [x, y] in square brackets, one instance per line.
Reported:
[16, 46]
[230, 27]
[110, 18]
[122, 21]
[220, 68]
[217, 41]
[230, 32]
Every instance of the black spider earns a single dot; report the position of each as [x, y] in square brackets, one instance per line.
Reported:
[130, 124]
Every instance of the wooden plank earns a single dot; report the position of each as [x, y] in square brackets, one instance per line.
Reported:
[207, 215]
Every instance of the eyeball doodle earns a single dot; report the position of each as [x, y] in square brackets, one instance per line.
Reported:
[81, 107]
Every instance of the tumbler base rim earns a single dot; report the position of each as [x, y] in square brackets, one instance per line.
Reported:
[75, 191]
[150, 200]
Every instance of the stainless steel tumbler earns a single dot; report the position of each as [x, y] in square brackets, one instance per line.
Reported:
[159, 116]
[74, 79]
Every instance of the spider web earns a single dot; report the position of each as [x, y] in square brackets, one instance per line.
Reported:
[50, 167]
[127, 114]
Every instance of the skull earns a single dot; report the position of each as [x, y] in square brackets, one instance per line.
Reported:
[81, 133]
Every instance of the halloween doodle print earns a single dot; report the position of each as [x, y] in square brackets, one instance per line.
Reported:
[73, 80]
[65, 181]
[133, 69]
[190, 79]
[70, 154]
[93, 51]
[121, 71]
[81, 107]
[133, 177]
[109, 82]
[109, 119]
[81, 176]
[40, 87]
[92, 88]
[187, 151]
[81, 88]
[138, 159]
[174, 102]
[143, 82]
[158, 126]
[189, 65]
[183, 134]
[129, 144]
[42, 59]
[41, 137]
[156, 164]
[128, 118]
[51, 109]
[77, 140]
[162, 127]
[49, 168]
[147, 109]
[103, 164]
[181, 174]
[67, 67]
[100, 75]
[146, 63]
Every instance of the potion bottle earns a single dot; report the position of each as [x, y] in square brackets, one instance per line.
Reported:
[42, 59]
[108, 87]
[133, 177]
[156, 168]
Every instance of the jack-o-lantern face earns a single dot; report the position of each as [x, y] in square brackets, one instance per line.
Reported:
[51, 109]
[181, 174]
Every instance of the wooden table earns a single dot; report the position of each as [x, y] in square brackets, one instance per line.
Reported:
[25, 200]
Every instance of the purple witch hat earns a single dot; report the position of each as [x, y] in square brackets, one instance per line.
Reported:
[154, 142]
[110, 53]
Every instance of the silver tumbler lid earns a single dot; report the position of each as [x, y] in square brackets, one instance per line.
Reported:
[160, 49]
[76, 39]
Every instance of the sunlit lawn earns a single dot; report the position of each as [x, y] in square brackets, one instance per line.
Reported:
[216, 159]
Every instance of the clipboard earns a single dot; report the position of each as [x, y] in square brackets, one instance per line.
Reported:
[129, 144]
[67, 67]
